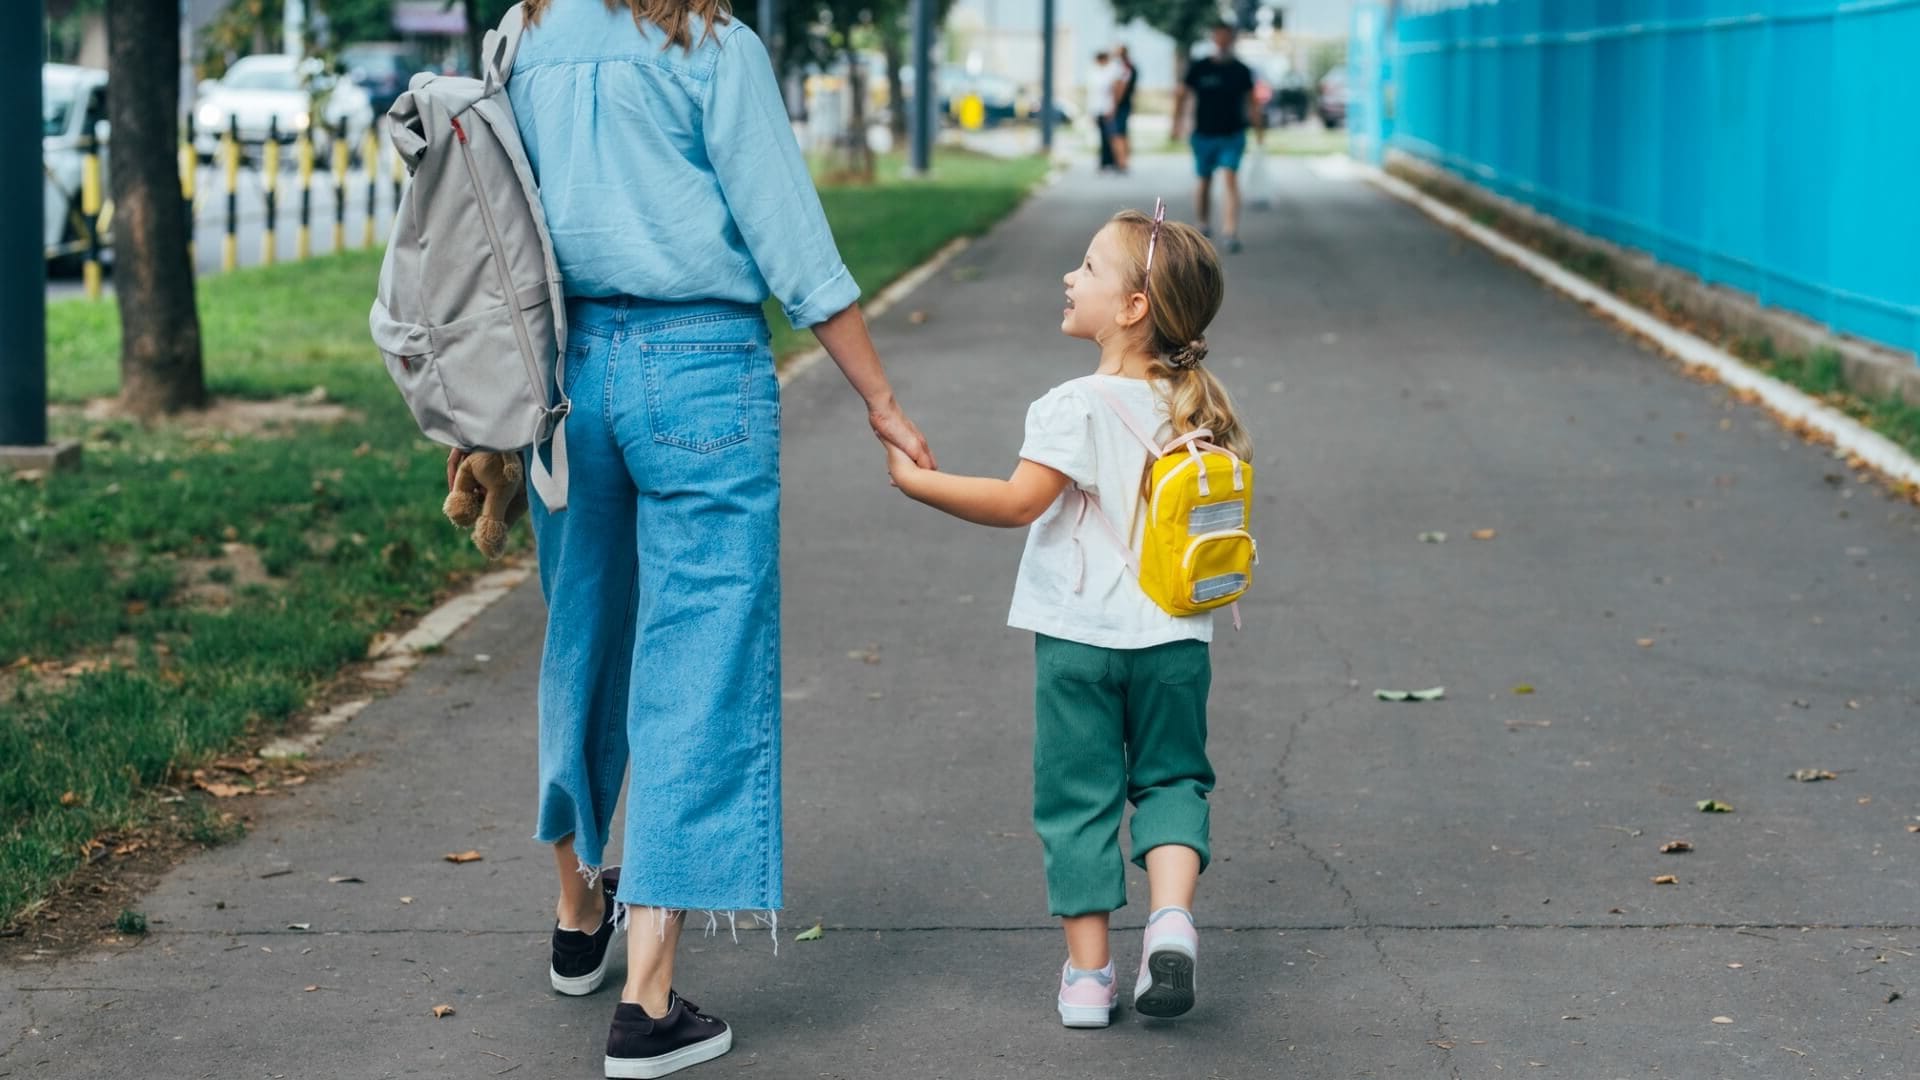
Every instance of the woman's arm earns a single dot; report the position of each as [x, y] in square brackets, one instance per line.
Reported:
[1005, 504]
[845, 338]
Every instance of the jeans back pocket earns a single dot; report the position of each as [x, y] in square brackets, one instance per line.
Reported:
[697, 392]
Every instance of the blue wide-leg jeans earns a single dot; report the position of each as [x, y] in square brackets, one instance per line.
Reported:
[662, 579]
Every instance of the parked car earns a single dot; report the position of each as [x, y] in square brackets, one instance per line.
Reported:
[1287, 97]
[279, 93]
[1004, 101]
[382, 69]
[1332, 105]
[73, 110]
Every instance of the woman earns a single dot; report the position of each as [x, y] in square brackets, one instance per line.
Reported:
[678, 202]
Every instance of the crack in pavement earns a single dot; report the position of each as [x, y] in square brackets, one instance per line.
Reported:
[1369, 930]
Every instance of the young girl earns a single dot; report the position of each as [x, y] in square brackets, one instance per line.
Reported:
[1121, 695]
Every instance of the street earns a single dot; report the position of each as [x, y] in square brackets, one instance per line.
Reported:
[1675, 601]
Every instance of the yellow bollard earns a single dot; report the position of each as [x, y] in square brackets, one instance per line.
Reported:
[303, 244]
[230, 156]
[189, 177]
[270, 180]
[339, 195]
[90, 210]
[370, 159]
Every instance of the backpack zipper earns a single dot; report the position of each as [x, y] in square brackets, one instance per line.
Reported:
[500, 264]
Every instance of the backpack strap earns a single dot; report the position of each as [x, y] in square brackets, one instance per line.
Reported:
[1131, 421]
[498, 50]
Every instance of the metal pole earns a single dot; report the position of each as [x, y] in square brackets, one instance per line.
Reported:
[23, 258]
[764, 21]
[1046, 75]
[922, 86]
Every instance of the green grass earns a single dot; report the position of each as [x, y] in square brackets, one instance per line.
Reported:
[95, 564]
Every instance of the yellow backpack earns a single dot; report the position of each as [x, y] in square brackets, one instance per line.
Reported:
[1197, 553]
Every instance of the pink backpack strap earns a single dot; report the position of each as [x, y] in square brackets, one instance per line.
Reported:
[1126, 417]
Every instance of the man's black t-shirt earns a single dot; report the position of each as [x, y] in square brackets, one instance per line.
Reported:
[1220, 89]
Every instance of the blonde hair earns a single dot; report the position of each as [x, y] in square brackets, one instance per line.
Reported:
[1184, 292]
[670, 16]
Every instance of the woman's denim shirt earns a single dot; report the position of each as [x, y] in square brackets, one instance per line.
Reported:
[667, 173]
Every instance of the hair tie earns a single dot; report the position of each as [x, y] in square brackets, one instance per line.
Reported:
[1189, 355]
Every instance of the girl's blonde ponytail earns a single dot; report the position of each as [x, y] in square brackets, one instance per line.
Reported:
[1184, 292]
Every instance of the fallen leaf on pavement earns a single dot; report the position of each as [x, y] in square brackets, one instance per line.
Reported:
[442, 1011]
[1676, 847]
[311, 989]
[1723, 1019]
[1808, 776]
[406, 899]
[917, 317]
[1713, 806]
[1431, 694]
[1913, 828]
[344, 879]
[814, 934]
[462, 856]
[1666, 879]
[1433, 538]
[1523, 688]
[1645, 642]
[299, 926]
[1736, 965]
[1484, 534]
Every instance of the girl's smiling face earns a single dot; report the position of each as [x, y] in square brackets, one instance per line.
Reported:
[1099, 303]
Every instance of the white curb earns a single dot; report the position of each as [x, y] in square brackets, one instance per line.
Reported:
[1850, 437]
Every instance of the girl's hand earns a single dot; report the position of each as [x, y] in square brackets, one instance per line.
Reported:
[899, 465]
[898, 432]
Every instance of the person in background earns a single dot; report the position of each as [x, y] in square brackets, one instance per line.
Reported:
[1223, 110]
[1122, 106]
[1100, 105]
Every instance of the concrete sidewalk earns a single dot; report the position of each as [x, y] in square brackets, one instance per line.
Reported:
[1452, 889]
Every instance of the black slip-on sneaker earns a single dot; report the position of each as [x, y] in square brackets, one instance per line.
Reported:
[641, 1048]
[579, 958]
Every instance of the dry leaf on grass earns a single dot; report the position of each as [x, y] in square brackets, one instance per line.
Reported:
[219, 790]
[1676, 847]
[441, 1012]
[462, 856]
[1666, 879]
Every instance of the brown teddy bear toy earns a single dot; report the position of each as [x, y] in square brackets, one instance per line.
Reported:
[488, 494]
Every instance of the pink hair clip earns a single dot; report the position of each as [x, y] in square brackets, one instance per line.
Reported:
[1153, 238]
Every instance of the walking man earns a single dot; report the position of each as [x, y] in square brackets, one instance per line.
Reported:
[1100, 105]
[1223, 110]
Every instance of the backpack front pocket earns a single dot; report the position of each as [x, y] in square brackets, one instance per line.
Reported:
[1217, 568]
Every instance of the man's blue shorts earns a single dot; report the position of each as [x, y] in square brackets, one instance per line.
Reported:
[1213, 152]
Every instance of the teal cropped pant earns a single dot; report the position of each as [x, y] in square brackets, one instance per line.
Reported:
[1113, 726]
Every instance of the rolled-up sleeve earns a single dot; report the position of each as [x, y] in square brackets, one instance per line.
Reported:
[768, 190]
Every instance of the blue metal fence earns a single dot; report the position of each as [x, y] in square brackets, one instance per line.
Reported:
[1770, 145]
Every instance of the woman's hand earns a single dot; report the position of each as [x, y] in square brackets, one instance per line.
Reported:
[454, 458]
[894, 429]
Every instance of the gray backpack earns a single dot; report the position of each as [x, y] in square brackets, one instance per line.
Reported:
[470, 316]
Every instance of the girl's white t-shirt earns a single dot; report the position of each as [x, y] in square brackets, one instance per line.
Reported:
[1075, 431]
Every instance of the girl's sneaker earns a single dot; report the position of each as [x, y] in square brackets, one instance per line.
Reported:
[1165, 986]
[1087, 998]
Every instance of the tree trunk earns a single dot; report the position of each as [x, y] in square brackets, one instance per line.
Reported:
[160, 368]
[895, 47]
[860, 151]
[476, 33]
